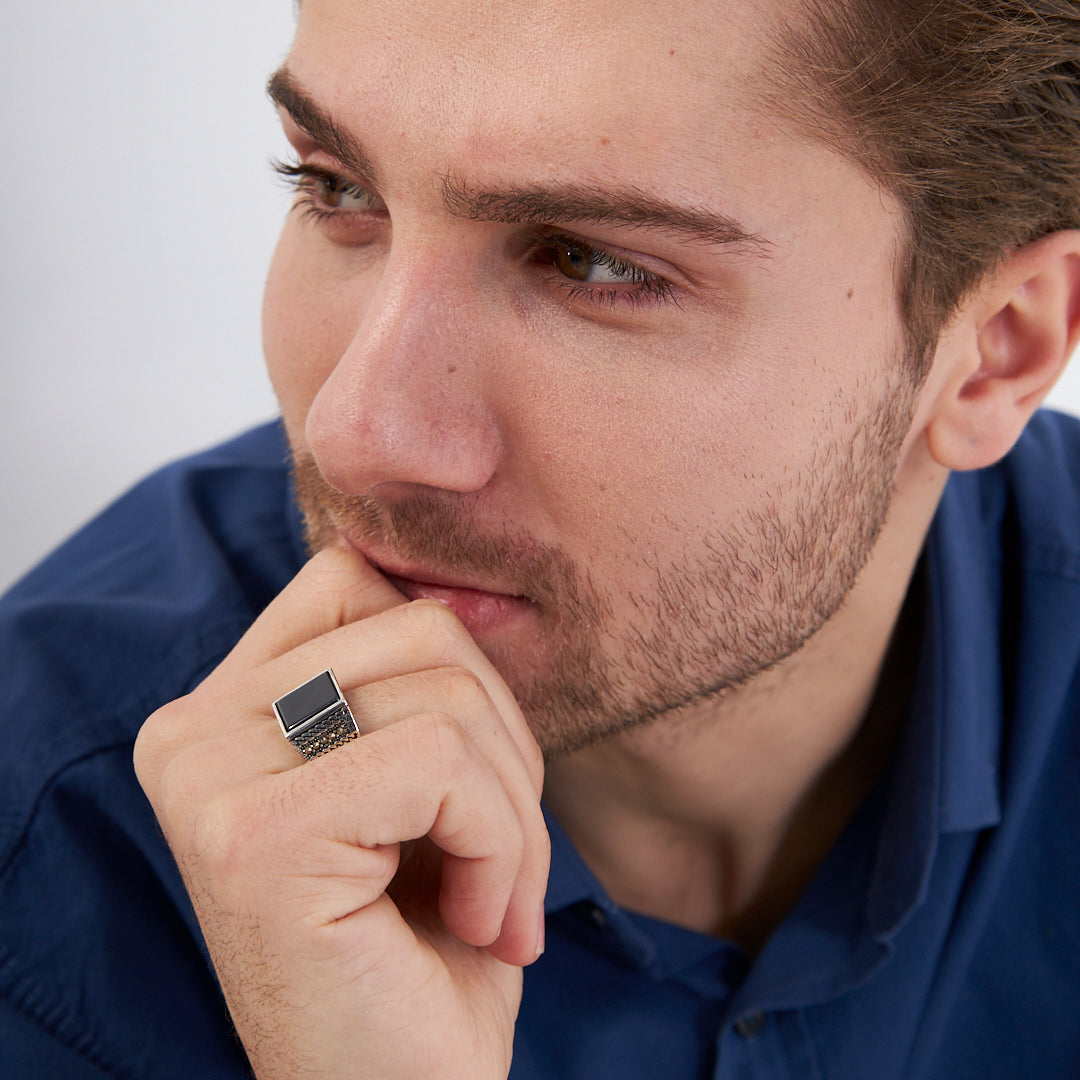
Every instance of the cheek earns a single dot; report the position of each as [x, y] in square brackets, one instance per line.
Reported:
[688, 439]
[642, 452]
[305, 327]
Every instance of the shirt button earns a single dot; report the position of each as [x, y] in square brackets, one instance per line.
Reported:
[751, 1025]
[599, 917]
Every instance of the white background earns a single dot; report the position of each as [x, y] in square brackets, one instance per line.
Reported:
[137, 217]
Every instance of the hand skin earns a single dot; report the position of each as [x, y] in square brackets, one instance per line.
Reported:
[368, 911]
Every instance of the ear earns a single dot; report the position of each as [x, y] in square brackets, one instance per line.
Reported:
[1005, 350]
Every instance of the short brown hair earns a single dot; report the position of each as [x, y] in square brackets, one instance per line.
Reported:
[968, 111]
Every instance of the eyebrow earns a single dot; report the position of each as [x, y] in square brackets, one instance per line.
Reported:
[315, 122]
[627, 207]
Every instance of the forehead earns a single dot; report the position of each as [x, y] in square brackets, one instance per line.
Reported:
[556, 84]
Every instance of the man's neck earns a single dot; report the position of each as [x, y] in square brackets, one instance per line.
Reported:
[717, 820]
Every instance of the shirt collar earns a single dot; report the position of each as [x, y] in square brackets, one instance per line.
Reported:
[570, 880]
[942, 779]
[964, 590]
[945, 776]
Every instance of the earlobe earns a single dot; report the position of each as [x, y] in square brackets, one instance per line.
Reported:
[1007, 347]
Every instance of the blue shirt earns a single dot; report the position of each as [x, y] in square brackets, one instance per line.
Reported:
[940, 938]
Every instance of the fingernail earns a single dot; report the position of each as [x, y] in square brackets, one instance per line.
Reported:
[541, 930]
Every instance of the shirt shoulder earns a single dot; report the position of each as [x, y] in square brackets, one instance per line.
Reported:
[136, 607]
[131, 612]
[1013, 950]
[1035, 493]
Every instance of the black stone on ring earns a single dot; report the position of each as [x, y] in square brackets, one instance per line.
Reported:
[315, 717]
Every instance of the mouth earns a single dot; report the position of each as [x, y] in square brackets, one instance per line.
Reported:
[481, 610]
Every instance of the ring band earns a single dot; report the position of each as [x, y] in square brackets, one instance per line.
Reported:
[315, 717]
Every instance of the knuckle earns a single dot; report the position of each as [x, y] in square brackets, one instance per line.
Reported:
[439, 736]
[158, 741]
[176, 792]
[457, 685]
[331, 572]
[228, 835]
[533, 757]
[214, 839]
[435, 623]
[515, 838]
[330, 562]
[219, 829]
[539, 845]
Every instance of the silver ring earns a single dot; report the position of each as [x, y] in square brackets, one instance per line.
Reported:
[315, 717]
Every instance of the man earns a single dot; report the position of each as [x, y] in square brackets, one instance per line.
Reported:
[624, 355]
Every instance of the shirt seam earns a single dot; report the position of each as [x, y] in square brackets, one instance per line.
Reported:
[49, 1014]
[1045, 561]
[48, 1017]
[211, 647]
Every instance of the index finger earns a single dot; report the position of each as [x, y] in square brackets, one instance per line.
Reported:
[337, 586]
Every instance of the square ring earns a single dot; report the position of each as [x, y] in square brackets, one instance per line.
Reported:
[315, 717]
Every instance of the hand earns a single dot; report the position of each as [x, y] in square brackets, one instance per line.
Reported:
[367, 911]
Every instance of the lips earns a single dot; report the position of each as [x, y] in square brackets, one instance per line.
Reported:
[481, 610]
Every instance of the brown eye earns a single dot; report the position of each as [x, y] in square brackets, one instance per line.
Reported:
[330, 194]
[584, 269]
[334, 193]
[573, 262]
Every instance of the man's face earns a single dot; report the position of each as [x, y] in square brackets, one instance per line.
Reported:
[569, 334]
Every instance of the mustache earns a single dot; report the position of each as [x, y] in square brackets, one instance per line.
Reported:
[439, 529]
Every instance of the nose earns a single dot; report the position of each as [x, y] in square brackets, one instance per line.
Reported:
[405, 403]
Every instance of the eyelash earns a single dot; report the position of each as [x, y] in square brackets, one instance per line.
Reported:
[304, 180]
[645, 287]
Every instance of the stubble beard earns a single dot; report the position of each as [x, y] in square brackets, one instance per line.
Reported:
[711, 621]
